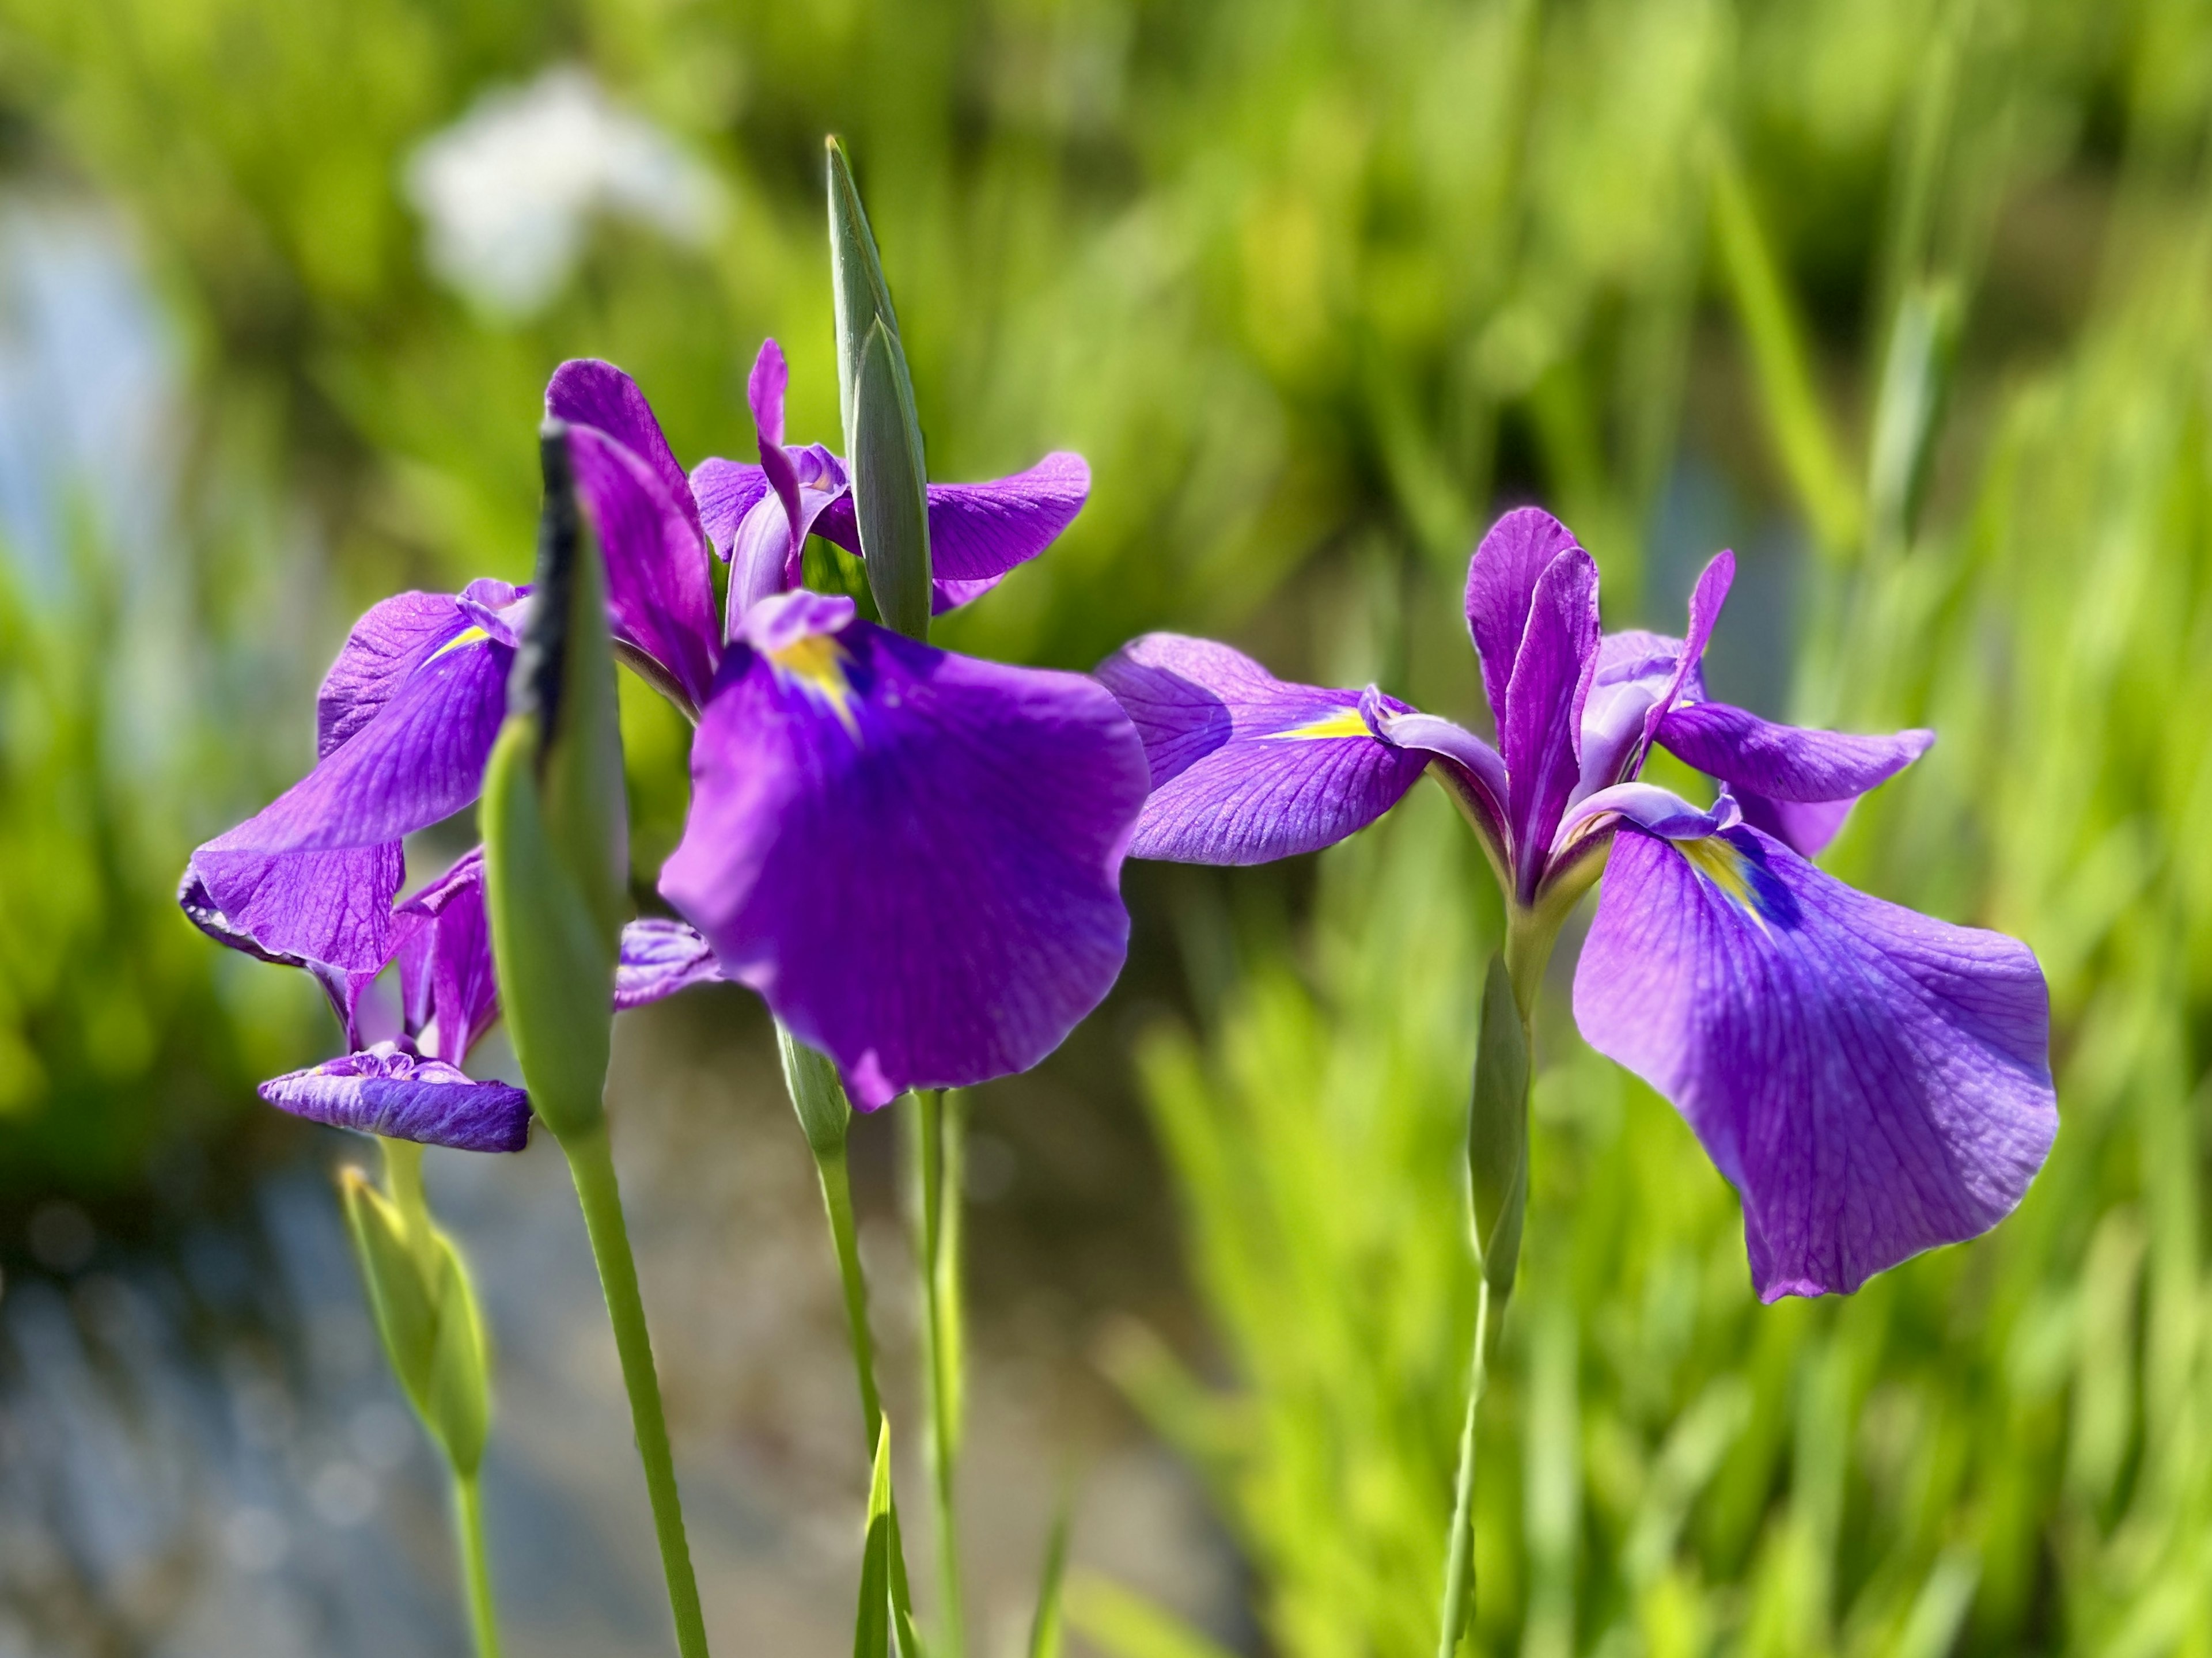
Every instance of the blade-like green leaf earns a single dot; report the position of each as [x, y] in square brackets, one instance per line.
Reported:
[871, 1619]
[890, 489]
[810, 1079]
[858, 290]
[1046, 1628]
[1498, 1131]
[1125, 1625]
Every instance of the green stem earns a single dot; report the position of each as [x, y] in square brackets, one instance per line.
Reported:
[837, 1200]
[940, 1280]
[476, 1570]
[592, 1164]
[1459, 1557]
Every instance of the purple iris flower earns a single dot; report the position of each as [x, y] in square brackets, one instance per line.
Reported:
[1872, 1081]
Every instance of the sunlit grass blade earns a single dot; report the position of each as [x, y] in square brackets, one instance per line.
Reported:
[1046, 1625]
[1124, 1623]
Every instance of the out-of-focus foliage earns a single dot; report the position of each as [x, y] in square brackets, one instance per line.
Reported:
[1315, 283]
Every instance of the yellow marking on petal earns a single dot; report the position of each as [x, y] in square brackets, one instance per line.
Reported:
[466, 636]
[1345, 722]
[817, 663]
[1718, 860]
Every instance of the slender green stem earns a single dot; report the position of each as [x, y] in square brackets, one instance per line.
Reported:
[1458, 1556]
[592, 1164]
[838, 1201]
[940, 1282]
[476, 1570]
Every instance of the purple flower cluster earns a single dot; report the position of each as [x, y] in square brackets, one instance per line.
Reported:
[913, 856]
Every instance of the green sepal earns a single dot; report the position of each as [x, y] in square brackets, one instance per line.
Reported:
[555, 823]
[890, 496]
[1498, 1131]
[817, 1094]
[426, 1316]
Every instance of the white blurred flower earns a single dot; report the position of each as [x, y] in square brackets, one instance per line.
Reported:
[508, 190]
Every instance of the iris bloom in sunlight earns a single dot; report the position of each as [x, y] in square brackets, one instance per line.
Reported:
[913, 856]
[1872, 1081]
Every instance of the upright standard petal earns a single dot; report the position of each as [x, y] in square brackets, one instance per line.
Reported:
[1501, 582]
[765, 391]
[387, 1091]
[980, 532]
[1639, 677]
[660, 593]
[446, 980]
[913, 856]
[658, 958]
[585, 392]
[1244, 766]
[1797, 785]
[1540, 728]
[1872, 1081]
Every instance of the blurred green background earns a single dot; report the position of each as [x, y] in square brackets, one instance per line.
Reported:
[1909, 299]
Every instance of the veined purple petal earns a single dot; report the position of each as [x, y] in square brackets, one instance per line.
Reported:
[1706, 600]
[389, 642]
[1806, 827]
[661, 595]
[658, 958]
[979, 532]
[327, 912]
[1480, 766]
[1786, 763]
[445, 977]
[585, 392]
[1640, 676]
[913, 856]
[420, 758]
[1872, 1081]
[725, 491]
[1244, 766]
[765, 391]
[1661, 811]
[1540, 727]
[386, 1090]
[1501, 582]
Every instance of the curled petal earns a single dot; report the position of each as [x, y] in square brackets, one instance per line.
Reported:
[387, 1091]
[1775, 767]
[1872, 1081]
[725, 491]
[585, 392]
[1501, 582]
[913, 856]
[446, 987]
[658, 958]
[661, 595]
[1540, 726]
[1244, 766]
[1661, 811]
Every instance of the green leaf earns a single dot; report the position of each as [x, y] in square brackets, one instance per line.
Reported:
[1498, 1131]
[891, 496]
[858, 290]
[1046, 1630]
[811, 1078]
[1124, 1623]
[871, 1628]
[553, 817]
[1916, 384]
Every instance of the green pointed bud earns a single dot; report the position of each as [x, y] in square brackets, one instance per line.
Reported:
[811, 1078]
[426, 1316]
[555, 823]
[858, 290]
[890, 496]
[1498, 1131]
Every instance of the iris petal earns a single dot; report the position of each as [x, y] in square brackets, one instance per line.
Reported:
[386, 1090]
[1540, 726]
[660, 596]
[980, 532]
[1501, 583]
[1872, 1081]
[658, 958]
[1796, 784]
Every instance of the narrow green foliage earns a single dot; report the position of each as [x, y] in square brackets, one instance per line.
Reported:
[1125, 1625]
[1916, 384]
[938, 1121]
[1047, 1631]
[885, 1612]
[1497, 1132]
[889, 493]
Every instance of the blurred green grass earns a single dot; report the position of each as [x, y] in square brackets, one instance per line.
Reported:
[1315, 285]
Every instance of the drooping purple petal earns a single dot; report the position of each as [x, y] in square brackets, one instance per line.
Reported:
[658, 958]
[765, 391]
[660, 594]
[420, 758]
[1872, 1081]
[387, 1091]
[445, 977]
[1244, 766]
[912, 855]
[327, 912]
[1786, 763]
[980, 532]
[1501, 582]
[1540, 730]
[1481, 766]
[725, 491]
[1806, 827]
[585, 392]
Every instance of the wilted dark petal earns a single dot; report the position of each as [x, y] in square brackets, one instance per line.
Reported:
[585, 392]
[1872, 1081]
[660, 594]
[1539, 729]
[658, 958]
[1501, 581]
[385, 1090]
[764, 390]
[912, 855]
[979, 532]
[725, 491]
[1244, 766]
[1775, 769]
[445, 977]
[420, 759]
